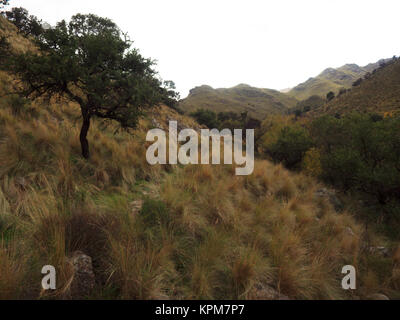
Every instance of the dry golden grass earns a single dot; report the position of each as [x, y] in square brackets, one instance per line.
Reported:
[380, 93]
[290, 242]
[222, 236]
[19, 43]
[203, 232]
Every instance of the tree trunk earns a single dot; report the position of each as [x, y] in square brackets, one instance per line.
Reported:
[83, 135]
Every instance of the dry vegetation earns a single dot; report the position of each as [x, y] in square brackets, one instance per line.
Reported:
[202, 231]
[331, 80]
[257, 102]
[379, 93]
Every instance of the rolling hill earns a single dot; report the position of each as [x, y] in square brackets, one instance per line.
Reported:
[379, 92]
[332, 80]
[258, 102]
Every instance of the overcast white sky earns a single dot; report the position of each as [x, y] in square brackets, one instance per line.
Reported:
[269, 44]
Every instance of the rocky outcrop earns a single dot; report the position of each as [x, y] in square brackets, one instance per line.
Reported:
[156, 124]
[136, 207]
[350, 232]
[377, 296]
[265, 292]
[83, 279]
[382, 251]
[331, 196]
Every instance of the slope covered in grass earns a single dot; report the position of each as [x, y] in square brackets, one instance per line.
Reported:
[257, 102]
[202, 232]
[331, 80]
[378, 93]
[158, 232]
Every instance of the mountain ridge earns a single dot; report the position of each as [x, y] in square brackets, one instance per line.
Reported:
[378, 92]
[333, 79]
[258, 102]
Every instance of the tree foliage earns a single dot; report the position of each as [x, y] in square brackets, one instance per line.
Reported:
[91, 62]
[356, 152]
[206, 117]
[26, 24]
[311, 163]
[361, 152]
[4, 3]
[292, 143]
[225, 120]
[330, 96]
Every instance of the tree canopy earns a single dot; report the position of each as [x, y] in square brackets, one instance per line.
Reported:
[27, 24]
[91, 62]
[4, 3]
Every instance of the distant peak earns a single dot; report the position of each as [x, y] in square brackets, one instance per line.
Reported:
[204, 86]
[351, 67]
[199, 89]
[243, 85]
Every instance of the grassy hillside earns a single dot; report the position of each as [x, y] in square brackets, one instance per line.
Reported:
[18, 43]
[331, 80]
[378, 93]
[202, 232]
[164, 232]
[258, 102]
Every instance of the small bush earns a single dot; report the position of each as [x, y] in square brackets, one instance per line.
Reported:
[312, 162]
[361, 153]
[292, 144]
[26, 24]
[154, 212]
[18, 104]
[330, 96]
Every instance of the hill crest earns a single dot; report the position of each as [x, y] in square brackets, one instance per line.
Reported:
[257, 102]
[333, 79]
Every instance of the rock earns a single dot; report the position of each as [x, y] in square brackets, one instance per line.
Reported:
[156, 124]
[382, 251]
[377, 296]
[21, 183]
[83, 280]
[330, 195]
[350, 232]
[265, 292]
[136, 207]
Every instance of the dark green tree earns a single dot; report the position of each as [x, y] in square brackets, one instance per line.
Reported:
[330, 96]
[357, 82]
[91, 62]
[26, 24]
[293, 142]
[360, 152]
[206, 117]
[298, 113]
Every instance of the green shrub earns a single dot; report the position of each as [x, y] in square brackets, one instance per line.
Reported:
[18, 104]
[154, 212]
[330, 96]
[292, 144]
[206, 117]
[362, 153]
